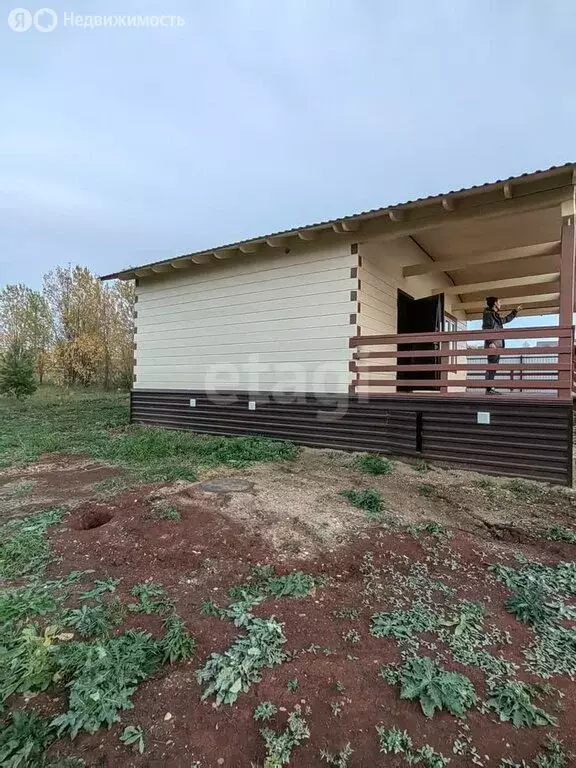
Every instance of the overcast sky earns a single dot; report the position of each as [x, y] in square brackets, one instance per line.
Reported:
[125, 145]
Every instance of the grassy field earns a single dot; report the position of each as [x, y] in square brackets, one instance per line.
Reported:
[153, 623]
[96, 424]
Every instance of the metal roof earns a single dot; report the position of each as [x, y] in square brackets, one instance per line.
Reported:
[352, 218]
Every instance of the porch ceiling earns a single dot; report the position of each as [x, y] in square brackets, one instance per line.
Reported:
[518, 254]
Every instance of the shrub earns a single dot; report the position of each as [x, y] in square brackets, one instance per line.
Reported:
[17, 372]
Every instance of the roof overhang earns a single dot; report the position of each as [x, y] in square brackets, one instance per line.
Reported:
[531, 191]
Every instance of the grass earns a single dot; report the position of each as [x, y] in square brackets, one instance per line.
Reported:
[168, 513]
[368, 499]
[561, 533]
[23, 546]
[373, 464]
[18, 490]
[96, 424]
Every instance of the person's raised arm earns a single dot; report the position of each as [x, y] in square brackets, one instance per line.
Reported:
[511, 315]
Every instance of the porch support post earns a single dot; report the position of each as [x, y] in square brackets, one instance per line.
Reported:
[567, 263]
[567, 294]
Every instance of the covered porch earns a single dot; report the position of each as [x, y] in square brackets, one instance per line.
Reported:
[521, 249]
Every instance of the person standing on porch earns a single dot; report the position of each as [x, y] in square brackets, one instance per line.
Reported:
[492, 320]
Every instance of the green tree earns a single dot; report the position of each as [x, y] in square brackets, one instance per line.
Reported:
[93, 324]
[26, 319]
[17, 372]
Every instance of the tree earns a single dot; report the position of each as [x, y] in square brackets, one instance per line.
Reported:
[93, 325]
[17, 372]
[26, 319]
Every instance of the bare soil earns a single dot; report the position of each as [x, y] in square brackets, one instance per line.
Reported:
[53, 481]
[291, 516]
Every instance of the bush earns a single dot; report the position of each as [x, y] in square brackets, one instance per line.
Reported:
[17, 373]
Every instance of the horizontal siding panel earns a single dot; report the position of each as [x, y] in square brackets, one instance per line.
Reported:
[183, 346]
[256, 302]
[322, 329]
[333, 314]
[328, 281]
[524, 439]
[379, 315]
[246, 269]
[176, 355]
[377, 281]
[244, 283]
[291, 309]
[298, 423]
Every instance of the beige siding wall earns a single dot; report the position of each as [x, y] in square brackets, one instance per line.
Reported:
[381, 277]
[272, 322]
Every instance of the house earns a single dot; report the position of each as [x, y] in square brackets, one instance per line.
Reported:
[352, 333]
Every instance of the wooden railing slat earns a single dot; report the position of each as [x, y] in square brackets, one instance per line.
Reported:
[466, 383]
[467, 352]
[450, 336]
[443, 357]
[454, 367]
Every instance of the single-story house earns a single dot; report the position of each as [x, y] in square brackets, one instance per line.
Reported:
[352, 333]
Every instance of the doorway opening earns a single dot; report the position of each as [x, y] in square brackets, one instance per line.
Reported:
[418, 316]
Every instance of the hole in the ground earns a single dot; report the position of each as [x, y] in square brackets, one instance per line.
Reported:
[94, 518]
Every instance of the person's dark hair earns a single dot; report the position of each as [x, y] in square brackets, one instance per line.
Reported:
[490, 301]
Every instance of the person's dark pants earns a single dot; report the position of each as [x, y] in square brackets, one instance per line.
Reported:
[491, 375]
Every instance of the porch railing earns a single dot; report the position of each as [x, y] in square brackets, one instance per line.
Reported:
[439, 363]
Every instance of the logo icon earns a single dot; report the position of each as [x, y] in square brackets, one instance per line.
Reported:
[20, 20]
[45, 20]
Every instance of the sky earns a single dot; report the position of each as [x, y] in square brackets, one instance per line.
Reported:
[123, 145]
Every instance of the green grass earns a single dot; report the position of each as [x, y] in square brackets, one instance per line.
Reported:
[368, 499]
[373, 465]
[168, 513]
[96, 424]
[17, 490]
[113, 485]
[561, 533]
[23, 546]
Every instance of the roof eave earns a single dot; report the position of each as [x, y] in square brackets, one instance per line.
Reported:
[440, 205]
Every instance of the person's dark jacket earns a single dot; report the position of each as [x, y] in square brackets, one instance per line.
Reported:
[493, 321]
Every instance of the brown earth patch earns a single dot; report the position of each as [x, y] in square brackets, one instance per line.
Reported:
[293, 517]
[208, 551]
[54, 481]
